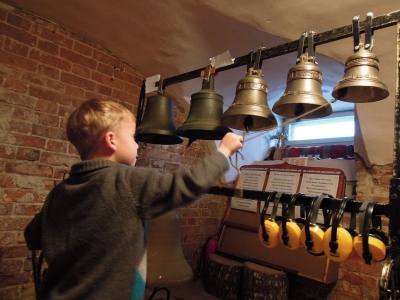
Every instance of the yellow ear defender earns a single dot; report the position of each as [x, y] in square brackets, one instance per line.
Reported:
[337, 241]
[268, 231]
[289, 231]
[371, 243]
[312, 234]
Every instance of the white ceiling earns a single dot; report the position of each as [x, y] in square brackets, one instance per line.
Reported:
[178, 36]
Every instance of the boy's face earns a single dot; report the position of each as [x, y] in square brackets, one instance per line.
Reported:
[126, 152]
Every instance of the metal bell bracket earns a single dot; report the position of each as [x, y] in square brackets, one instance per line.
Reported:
[302, 54]
[206, 73]
[368, 39]
[256, 66]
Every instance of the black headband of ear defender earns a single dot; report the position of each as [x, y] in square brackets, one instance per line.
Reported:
[333, 244]
[263, 213]
[291, 205]
[312, 218]
[366, 209]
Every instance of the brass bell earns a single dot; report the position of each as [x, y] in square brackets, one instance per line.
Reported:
[166, 263]
[203, 121]
[158, 123]
[360, 83]
[249, 110]
[303, 95]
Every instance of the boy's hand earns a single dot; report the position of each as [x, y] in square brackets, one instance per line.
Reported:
[230, 144]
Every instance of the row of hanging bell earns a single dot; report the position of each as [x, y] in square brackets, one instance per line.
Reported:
[303, 94]
[360, 83]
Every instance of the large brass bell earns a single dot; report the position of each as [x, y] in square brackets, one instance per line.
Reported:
[249, 110]
[206, 107]
[360, 83]
[303, 95]
[158, 123]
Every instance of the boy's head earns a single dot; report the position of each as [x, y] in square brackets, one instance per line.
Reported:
[88, 124]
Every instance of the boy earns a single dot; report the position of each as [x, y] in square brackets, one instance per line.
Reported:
[91, 227]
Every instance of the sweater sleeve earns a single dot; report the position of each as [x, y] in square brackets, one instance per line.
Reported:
[33, 233]
[161, 192]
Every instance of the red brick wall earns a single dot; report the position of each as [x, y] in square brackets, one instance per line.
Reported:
[45, 72]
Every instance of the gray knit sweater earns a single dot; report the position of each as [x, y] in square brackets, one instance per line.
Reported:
[92, 230]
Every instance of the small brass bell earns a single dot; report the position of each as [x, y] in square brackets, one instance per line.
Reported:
[158, 123]
[249, 110]
[360, 83]
[303, 95]
[203, 121]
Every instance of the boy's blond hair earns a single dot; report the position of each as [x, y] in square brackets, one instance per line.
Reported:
[91, 120]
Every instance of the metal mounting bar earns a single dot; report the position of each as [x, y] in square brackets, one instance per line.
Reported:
[328, 203]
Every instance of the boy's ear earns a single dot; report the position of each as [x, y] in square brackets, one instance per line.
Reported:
[109, 140]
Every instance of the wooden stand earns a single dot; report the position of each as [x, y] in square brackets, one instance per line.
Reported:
[262, 283]
[223, 277]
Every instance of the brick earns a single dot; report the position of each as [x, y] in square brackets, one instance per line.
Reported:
[74, 91]
[44, 81]
[25, 210]
[29, 169]
[18, 195]
[20, 126]
[105, 69]
[7, 151]
[49, 120]
[14, 252]
[107, 80]
[3, 15]
[105, 90]
[28, 154]
[17, 34]
[18, 21]
[23, 140]
[48, 132]
[78, 59]
[50, 96]
[49, 59]
[10, 71]
[14, 279]
[6, 180]
[65, 111]
[83, 49]
[23, 113]
[49, 72]
[58, 159]
[106, 58]
[134, 90]
[16, 85]
[78, 81]
[17, 61]
[13, 223]
[49, 47]
[16, 47]
[12, 293]
[132, 79]
[57, 146]
[53, 36]
[123, 96]
[7, 239]
[5, 210]
[81, 71]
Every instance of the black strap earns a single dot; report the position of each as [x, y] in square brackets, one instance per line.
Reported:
[366, 210]
[263, 213]
[312, 219]
[333, 244]
[289, 209]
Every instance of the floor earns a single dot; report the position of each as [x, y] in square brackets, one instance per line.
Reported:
[191, 291]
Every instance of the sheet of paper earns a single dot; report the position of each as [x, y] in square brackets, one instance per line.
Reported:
[315, 183]
[249, 180]
[286, 182]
